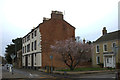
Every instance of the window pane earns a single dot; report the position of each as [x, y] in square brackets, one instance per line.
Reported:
[32, 46]
[105, 47]
[114, 44]
[32, 35]
[98, 60]
[35, 33]
[97, 48]
[35, 45]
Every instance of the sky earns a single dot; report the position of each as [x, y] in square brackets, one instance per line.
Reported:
[18, 17]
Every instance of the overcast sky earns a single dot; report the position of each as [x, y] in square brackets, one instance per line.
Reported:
[18, 17]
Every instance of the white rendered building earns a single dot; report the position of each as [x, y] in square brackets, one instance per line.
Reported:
[31, 49]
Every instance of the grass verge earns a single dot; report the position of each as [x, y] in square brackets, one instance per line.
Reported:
[87, 69]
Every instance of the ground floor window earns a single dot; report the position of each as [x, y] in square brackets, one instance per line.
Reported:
[98, 59]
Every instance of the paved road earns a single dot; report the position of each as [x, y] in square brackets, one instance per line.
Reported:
[27, 73]
[23, 73]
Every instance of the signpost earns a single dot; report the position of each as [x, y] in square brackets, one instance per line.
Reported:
[51, 57]
[11, 67]
[115, 50]
[12, 56]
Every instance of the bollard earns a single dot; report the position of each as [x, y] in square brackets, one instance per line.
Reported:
[10, 69]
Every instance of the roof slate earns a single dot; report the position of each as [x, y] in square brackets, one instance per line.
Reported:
[109, 36]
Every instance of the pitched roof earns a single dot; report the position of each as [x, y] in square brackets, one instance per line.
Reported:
[109, 36]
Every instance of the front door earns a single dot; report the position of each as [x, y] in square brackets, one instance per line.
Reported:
[108, 61]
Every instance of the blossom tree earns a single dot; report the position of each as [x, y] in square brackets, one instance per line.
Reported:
[72, 52]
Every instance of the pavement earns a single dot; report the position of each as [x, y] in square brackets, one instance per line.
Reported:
[41, 73]
[23, 73]
[79, 72]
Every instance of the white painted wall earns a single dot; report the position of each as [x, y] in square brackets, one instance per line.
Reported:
[37, 51]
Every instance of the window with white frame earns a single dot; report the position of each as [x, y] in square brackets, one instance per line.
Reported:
[113, 46]
[97, 48]
[104, 47]
[97, 59]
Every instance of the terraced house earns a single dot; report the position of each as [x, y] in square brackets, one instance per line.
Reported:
[36, 51]
[31, 49]
[106, 49]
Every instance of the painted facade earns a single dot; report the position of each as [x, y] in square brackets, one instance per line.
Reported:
[31, 49]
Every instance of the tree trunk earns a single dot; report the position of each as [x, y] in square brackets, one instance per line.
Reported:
[72, 68]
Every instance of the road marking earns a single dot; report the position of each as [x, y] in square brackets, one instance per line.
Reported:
[114, 77]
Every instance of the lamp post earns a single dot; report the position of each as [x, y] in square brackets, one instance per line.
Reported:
[115, 50]
[51, 57]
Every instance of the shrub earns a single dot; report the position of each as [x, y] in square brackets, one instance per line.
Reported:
[118, 65]
[101, 65]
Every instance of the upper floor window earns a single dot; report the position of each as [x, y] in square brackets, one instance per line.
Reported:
[113, 46]
[28, 37]
[35, 45]
[32, 46]
[28, 48]
[23, 50]
[23, 40]
[32, 35]
[35, 33]
[97, 49]
[105, 47]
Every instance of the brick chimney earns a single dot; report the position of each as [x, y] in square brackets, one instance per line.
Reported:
[45, 19]
[84, 41]
[104, 31]
[56, 15]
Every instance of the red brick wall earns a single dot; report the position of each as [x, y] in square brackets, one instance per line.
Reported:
[52, 31]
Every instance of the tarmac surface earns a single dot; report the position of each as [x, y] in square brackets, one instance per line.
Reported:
[28, 74]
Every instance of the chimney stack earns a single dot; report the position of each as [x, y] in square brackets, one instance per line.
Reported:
[56, 15]
[84, 41]
[45, 19]
[104, 31]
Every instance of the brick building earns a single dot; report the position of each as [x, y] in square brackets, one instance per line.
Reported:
[52, 30]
